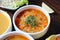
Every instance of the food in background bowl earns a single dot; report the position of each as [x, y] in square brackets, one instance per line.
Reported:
[12, 4]
[31, 20]
[53, 37]
[5, 22]
[16, 35]
[58, 37]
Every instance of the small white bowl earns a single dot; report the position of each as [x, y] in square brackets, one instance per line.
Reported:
[37, 34]
[58, 35]
[10, 24]
[16, 33]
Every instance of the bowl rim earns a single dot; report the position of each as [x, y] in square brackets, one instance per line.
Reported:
[41, 9]
[58, 35]
[17, 33]
[9, 26]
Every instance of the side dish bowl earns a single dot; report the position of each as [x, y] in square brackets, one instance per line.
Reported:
[16, 33]
[53, 37]
[9, 28]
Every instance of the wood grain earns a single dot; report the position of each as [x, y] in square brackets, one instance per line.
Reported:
[54, 4]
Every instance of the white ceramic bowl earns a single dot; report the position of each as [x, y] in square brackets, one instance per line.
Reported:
[37, 34]
[10, 24]
[58, 35]
[16, 33]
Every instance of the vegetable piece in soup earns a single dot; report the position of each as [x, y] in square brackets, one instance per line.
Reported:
[16, 37]
[31, 20]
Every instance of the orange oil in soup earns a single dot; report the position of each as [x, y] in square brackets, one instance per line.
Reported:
[31, 20]
[58, 38]
[4, 23]
[16, 37]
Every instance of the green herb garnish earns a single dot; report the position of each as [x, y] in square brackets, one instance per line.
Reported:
[31, 20]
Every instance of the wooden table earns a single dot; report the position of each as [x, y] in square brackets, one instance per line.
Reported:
[55, 18]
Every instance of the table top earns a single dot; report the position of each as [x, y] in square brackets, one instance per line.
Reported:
[54, 27]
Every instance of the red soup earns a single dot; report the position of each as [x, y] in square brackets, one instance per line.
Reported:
[31, 20]
[16, 37]
[58, 38]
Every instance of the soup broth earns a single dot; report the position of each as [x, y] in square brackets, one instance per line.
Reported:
[58, 38]
[31, 20]
[16, 37]
[4, 22]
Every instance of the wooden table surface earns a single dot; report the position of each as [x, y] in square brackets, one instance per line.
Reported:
[54, 27]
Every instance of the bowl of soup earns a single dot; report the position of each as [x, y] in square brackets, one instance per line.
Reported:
[16, 35]
[32, 19]
[5, 22]
[58, 37]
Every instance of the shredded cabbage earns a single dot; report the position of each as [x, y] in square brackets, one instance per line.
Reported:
[20, 3]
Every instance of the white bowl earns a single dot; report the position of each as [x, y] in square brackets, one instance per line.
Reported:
[58, 35]
[37, 34]
[16, 33]
[10, 24]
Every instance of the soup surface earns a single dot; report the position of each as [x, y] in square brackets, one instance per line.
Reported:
[58, 38]
[31, 20]
[16, 37]
[4, 22]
